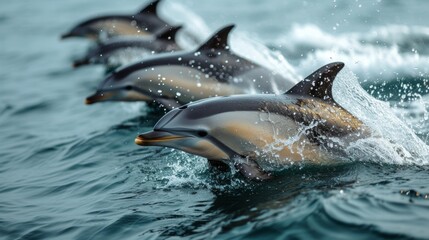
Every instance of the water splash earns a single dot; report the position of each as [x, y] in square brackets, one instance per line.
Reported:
[135, 107]
[393, 141]
[190, 171]
[196, 30]
[416, 115]
[245, 46]
[128, 55]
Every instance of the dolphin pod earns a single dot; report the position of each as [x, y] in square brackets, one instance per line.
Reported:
[224, 107]
[176, 79]
[115, 48]
[245, 130]
[144, 22]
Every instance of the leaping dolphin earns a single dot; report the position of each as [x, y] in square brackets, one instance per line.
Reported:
[113, 51]
[248, 131]
[179, 78]
[145, 22]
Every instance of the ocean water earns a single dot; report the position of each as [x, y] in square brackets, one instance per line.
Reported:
[71, 171]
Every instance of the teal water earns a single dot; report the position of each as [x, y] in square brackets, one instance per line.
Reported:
[71, 171]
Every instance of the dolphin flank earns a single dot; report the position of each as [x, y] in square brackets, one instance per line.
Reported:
[178, 78]
[144, 22]
[247, 131]
[110, 51]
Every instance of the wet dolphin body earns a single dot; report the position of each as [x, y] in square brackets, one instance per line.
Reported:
[145, 22]
[176, 79]
[248, 131]
[131, 47]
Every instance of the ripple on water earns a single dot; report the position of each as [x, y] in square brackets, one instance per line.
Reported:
[382, 214]
[5, 108]
[32, 107]
[125, 225]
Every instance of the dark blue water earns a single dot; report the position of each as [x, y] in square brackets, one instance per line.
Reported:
[71, 171]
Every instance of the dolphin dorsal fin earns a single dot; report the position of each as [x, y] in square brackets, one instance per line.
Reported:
[151, 8]
[318, 84]
[219, 40]
[168, 34]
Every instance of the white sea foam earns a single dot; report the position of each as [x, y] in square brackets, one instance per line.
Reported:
[382, 54]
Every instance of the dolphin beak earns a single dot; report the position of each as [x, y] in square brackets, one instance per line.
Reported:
[81, 62]
[156, 138]
[98, 97]
[66, 35]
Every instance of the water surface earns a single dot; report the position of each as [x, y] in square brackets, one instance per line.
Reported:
[70, 171]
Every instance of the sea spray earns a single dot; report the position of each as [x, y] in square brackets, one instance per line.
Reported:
[189, 171]
[393, 136]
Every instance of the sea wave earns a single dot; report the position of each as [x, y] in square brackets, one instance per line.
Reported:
[385, 53]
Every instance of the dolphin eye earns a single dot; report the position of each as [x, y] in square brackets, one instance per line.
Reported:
[128, 87]
[202, 133]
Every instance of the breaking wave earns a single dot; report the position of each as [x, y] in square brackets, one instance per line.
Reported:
[381, 55]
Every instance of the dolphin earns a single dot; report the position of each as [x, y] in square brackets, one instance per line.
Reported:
[172, 80]
[250, 131]
[145, 22]
[113, 50]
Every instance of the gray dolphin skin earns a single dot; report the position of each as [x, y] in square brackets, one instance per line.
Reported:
[248, 131]
[145, 22]
[130, 47]
[181, 77]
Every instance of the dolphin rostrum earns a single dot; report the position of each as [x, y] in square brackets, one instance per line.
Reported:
[145, 22]
[116, 50]
[248, 131]
[178, 78]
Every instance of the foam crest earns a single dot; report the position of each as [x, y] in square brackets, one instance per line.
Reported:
[407, 38]
[383, 54]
